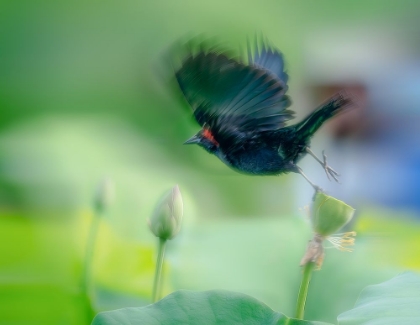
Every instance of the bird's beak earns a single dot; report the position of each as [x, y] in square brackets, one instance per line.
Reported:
[192, 140]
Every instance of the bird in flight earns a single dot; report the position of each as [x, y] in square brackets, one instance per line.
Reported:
[242, 108]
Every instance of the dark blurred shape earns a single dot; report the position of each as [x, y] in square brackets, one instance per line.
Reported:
[242, 108]
[355, 123]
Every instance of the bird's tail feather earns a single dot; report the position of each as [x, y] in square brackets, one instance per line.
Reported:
[313, 122]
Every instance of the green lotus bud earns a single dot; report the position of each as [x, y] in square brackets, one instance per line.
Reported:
[104, 194]
[329, 214]
[165, 222]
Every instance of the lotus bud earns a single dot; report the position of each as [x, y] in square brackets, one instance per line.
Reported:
[166, 219]
[104, 195]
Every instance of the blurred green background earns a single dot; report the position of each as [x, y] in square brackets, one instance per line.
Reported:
[86, 93]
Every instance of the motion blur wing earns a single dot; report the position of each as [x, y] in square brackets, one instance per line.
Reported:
[231, 98]
[268, 58]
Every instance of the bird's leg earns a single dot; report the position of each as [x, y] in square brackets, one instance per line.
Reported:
[316, 187]
[328, 170]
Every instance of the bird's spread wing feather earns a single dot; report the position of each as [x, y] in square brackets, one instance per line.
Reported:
[268, 58]
[231, 98]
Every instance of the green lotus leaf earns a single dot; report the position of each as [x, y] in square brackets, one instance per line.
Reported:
[395, 301]
[204, 308]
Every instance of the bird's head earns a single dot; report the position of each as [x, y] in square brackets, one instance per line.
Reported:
[205, 139]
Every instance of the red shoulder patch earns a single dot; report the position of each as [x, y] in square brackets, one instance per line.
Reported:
[209, 136]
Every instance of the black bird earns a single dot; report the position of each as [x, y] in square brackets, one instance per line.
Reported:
[242, 109]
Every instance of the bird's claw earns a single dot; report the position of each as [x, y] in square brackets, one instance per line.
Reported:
[317, 189]
[328, 170]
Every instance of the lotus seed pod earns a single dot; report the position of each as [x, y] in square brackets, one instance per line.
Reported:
[329, 214]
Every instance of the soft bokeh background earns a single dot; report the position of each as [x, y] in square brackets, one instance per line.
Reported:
[84, 94]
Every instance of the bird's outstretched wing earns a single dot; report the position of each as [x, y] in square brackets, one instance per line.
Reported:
[232, 98]
[268, 58]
